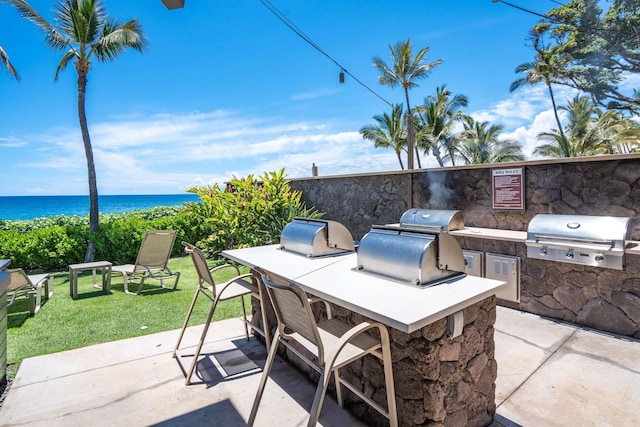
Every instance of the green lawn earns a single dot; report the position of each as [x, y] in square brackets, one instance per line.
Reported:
[63, 323]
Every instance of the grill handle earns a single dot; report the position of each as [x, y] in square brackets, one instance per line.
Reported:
[552, 238]
[582, 244]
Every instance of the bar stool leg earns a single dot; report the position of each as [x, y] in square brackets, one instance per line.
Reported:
[263, 380]
[186, 321]
[201, 343]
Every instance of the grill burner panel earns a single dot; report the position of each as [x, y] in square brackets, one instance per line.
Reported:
[596, 241]
[316, 237]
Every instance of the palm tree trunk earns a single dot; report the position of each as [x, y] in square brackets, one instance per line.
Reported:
[398, 153]
[94, 219]
[436, 154]
[565, 143]
[410, 132]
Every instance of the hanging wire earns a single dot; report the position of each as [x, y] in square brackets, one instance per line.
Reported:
[549, 18]
[523, 9]
[306, 38]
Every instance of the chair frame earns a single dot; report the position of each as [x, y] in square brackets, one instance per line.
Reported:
[142, 269]
[238, 287]
[33, 287]
[352, 340]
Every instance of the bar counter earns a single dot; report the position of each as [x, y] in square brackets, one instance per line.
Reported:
[442, 336]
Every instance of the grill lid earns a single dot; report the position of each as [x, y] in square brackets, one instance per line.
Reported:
[580, 229]
[410, 255]
[316, 237]
[578, 239]
[439, 221]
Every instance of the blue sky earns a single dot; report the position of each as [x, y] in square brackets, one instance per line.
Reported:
[225, 88]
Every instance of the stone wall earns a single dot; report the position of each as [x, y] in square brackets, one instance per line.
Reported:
[600, 298]
[358, 201]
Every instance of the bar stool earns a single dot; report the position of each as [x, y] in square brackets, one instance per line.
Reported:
[237, 287]
[333, 344]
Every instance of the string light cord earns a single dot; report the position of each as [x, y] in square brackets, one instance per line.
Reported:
[549, 18]
[523, 9]
[293, 27]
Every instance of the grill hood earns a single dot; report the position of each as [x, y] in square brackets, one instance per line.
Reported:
[316, 237]
[439, 221]
[410, 255]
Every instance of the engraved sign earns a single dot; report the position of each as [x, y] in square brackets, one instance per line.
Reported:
[507, 187]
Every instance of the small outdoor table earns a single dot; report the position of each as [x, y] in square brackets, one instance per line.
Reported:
[103, 266]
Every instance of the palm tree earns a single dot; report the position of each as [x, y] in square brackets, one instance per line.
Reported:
[480, 144]
[404, 72]
[85, 31]
[590, 132]
[436, 119]
[546, 68]
[6, 64]
[390, 132]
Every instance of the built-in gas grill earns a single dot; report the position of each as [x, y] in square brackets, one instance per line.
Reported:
[416, 251]
[316, 237]
[597, 241]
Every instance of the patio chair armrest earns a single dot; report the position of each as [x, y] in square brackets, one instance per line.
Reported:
[230, 281]
[220, 267]
[327, 306]
[354, 332]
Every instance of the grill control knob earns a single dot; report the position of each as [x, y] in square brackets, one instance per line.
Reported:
[568, 254]
[599, 258]
[543, 251]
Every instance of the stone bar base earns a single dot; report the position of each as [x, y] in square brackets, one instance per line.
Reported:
[439, 381]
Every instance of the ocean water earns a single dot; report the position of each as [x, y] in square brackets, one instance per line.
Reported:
[30, 207]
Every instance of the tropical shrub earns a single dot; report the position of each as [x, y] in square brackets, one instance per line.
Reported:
[247, 211]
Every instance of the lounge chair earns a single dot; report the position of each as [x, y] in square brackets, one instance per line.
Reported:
[151, 262]
[31, 286]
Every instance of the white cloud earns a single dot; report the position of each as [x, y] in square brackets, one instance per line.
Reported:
[168, 153]
[526, 113]
[12, 142]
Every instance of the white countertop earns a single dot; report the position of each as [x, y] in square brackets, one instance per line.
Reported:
[402, 306]
[491, 233]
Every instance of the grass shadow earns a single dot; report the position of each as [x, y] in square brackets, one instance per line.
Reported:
[18, 313]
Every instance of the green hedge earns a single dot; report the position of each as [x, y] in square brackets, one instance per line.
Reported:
[247, 212]
[53, 243]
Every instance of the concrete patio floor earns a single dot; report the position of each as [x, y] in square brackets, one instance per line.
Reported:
[549, 374]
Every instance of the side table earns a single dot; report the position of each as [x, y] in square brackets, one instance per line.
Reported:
[103, 266]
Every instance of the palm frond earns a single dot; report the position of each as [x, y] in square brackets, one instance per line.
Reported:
[53, 37]
[64, 61]
[116, 38]
[6, 64]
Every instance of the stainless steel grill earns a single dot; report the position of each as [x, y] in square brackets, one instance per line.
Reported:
[597, 241]
[439, 221]
[417, 251]
[316, 237]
